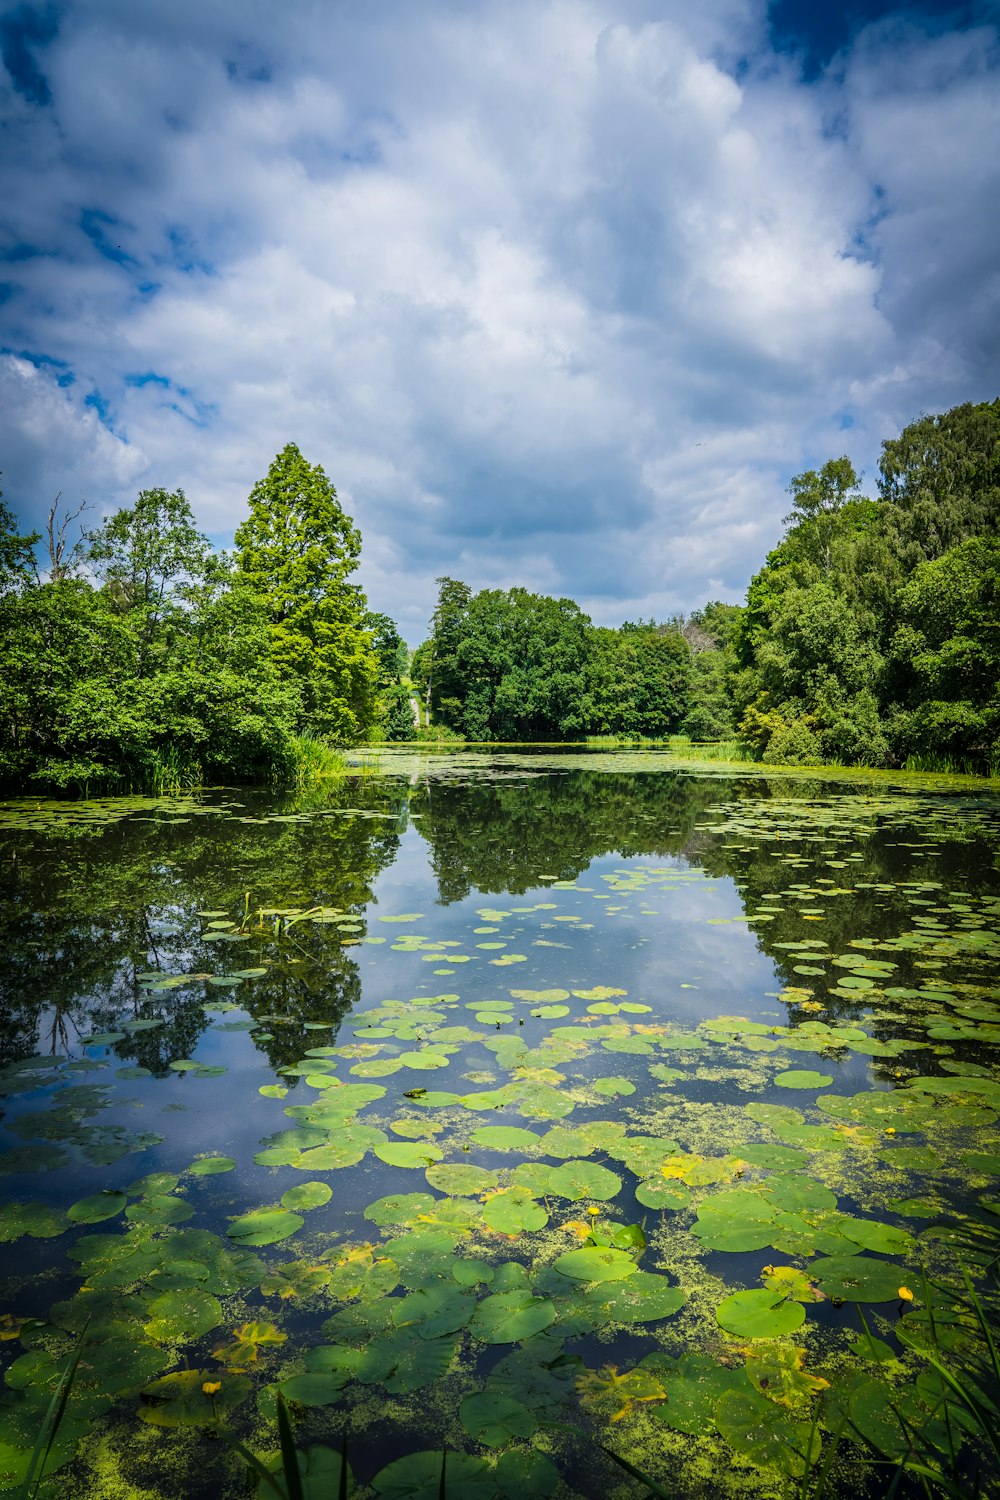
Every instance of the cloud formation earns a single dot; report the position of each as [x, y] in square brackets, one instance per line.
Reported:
[558, 293]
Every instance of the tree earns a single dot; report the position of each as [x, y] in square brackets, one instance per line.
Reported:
[816, 500]
[444, 673]
[16, 552]
[296, 550]
[149, 557]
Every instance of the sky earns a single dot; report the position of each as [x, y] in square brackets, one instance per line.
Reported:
[560, 293]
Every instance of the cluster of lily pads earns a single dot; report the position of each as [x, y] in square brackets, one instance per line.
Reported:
[575, 1219]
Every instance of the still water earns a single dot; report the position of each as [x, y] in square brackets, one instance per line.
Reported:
[517, 1104]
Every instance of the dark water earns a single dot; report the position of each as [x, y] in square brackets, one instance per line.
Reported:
[751, 1027]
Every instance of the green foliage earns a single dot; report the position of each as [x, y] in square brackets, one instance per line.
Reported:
[295, 553]
[870, 634]
[179, 667]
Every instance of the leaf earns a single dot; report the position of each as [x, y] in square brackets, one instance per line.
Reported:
[418, 1477]
[759, 1314]
[855, 1278]
[408, 1153]
[264, 1226]
[308, 1195]
[596, 1264]
[179, 1400]
[181, 1316]
[434, 1311]
[211, 1166]
[97, 1207]
[767, 1433]
[511, 1317]
[802, 1078]
[494, 1419]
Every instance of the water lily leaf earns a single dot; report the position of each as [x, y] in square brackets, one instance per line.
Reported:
[511, 1317]
[418, 1477]
[460, 1178]
[802, 1078]
[777, 1372]
[183, 1315]
[400, 1208]
[408, 1153]
[506, 1138]
[512, 1210]
[472, 1272]
[309, 1195]
[180, 1400]
[694, 1384]
[595, 1264]
[97, 1207]
[433, 1311]
[658, 1192]
[855, 1278]
[494, 1419]
[583, 1179]
[767, 1433]
[34, 1219]
[613, 1086]
[315, 1388]
[264, 1226]
[759, 1314]
[884, 1239]
[211, 1166]
[642, 1298]
[526, 1475]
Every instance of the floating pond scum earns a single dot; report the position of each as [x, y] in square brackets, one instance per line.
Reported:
[578, 1117]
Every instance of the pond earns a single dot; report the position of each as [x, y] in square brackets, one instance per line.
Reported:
[523, 1105]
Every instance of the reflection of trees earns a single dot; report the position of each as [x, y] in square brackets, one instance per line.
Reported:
[85, 914]
[503, 835]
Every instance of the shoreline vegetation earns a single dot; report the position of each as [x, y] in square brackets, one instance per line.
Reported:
[139, 659]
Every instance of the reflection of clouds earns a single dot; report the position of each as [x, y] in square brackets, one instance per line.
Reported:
[568, 320]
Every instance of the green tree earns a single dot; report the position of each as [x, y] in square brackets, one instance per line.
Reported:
[16, 552]
[147, 558]
[297, 550]
[445, 674]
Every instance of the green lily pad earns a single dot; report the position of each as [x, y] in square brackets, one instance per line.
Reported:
[767, 1433]
[180, 1399]
[460, 1178]
[418, 1477]
[600, 1263]
[494, 1419]
[211, 1166]
[506, 1138]
[183, 1315]
[759, 1314]
[408, 1153]
[855, 1278]
[97, 1207]
[803, 1078]
[511, 1317]
[309, 1195]
[264, 1226]
[433, 1311]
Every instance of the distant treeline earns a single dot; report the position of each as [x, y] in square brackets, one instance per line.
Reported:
[139, 658]
[870, 636]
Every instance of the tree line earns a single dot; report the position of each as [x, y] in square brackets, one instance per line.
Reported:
[870, 636]
[142, 659]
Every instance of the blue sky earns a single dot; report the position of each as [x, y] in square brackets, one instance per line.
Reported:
[559, 292]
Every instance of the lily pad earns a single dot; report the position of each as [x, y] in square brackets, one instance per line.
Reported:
[595, 1263]
[759, 1314]
[264, 1226]
[511, 1317]
[494, 1419]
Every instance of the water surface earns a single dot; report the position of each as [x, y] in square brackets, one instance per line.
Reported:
[513, 1102]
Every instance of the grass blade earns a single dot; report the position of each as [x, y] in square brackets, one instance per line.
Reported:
[651, 1484]
[289, 1453]
[50, 1425]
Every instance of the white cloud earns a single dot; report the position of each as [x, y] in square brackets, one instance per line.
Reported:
[558, 294]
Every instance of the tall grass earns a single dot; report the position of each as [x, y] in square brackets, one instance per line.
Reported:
[314, 761]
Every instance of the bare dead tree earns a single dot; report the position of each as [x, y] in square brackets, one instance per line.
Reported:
[64, 556]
